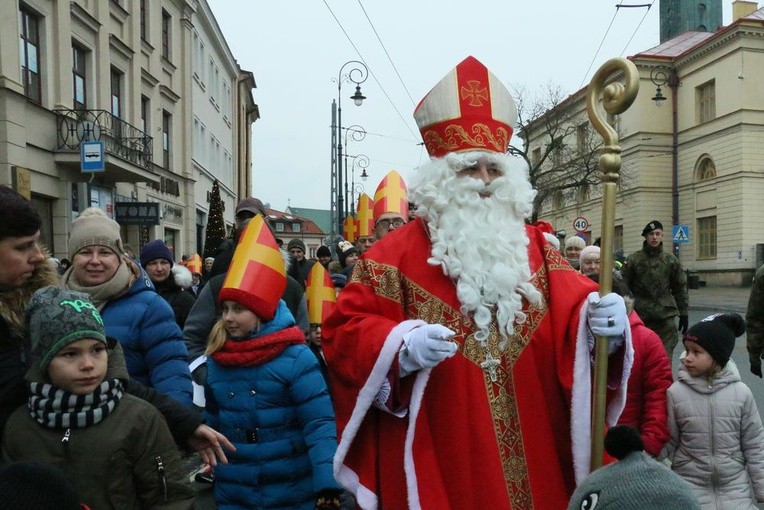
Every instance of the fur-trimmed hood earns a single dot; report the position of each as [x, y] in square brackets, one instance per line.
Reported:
[181, 276]
[13, 302]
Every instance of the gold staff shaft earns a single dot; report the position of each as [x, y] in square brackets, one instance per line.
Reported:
[616, 99]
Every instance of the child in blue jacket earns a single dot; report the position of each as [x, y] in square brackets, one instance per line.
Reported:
[265, 391]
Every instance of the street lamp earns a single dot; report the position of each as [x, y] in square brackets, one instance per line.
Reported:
[662, 76]
[357, 133]
[361, 161]
[357, 72]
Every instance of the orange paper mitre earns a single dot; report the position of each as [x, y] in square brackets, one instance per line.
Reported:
[365, 216]
[391, 196]
[319, 294]
[257, 275]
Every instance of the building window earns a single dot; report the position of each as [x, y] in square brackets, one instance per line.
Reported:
[29, 52]
[79, 77]
[144, 21]
[618, 238]
[296, 227]
[707, 237]
[582, 137]
[536, 156]
[116, 92]
[145, 114]
[279, 227]
[166, 134]
[706, 100]
[556, 148]
[166, 35]
[706, 170]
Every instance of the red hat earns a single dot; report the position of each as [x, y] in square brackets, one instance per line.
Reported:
[319, 294]
[257, 276]
[391, 196]
[469, 109]
[365, 221]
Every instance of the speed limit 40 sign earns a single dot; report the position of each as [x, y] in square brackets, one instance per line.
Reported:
[581, 224]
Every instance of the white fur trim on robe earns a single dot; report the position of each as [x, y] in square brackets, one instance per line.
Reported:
[365, 497]
[581, 408]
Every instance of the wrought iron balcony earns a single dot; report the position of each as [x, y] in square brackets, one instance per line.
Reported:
[120, 138]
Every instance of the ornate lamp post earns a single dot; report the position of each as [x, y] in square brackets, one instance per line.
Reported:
[662, 76]
[357, 73]
[359, 161]
[357, 133]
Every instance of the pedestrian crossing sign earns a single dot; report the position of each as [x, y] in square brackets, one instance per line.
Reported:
[680, 234]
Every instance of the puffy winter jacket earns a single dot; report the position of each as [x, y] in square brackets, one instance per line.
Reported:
[155, 353]
[280, 418]
[646, 390]
[717, 439]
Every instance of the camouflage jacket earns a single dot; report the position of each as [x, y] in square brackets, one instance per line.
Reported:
[754, 318]
[658, 282]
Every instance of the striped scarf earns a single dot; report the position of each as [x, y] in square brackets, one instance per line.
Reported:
[55, 408]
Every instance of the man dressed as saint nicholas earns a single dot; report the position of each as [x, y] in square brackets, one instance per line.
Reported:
[460, 352]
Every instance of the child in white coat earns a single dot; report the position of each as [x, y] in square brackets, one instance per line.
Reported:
[717, 439]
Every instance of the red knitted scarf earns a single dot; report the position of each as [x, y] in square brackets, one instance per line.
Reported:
[256, 351]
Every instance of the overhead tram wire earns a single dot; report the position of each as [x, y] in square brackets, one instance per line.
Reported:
[389, 58]
[640, 23]
[389, 99]
[617, 7]
[599, 48]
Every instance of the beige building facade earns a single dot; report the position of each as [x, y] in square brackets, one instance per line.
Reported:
[697, 159]
[77, 74]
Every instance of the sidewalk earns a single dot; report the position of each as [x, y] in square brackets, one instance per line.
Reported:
[727, 299]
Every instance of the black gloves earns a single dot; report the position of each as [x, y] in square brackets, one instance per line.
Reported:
[684, 323]
[756, 369]
[328, 499]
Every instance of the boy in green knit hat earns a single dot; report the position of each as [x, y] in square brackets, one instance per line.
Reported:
[116, 448]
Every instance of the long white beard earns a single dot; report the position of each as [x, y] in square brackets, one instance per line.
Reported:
[480, 241]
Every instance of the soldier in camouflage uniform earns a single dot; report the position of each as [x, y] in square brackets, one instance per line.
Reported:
[754, 322]
[659, 285]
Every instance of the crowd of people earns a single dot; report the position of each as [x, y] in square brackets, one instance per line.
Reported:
[441, 357]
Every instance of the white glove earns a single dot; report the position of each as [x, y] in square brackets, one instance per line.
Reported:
[425, 347]
[607, 316]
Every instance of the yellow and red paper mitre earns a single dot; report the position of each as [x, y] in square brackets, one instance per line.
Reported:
[257, 276]
[319, 294]
[349, 228]
[194, 264]
[365, 216]
[469, 109]
[391, 196]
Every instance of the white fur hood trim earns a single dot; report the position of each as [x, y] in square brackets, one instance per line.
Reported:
[181, 276]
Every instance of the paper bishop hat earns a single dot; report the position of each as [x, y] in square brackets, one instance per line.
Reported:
[194, 264]
[257, 276]
[349, 228]
[469, 109]
[319, 294]
[365, 216]
[391, 196]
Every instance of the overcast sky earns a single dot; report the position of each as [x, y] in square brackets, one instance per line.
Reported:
[296, 49]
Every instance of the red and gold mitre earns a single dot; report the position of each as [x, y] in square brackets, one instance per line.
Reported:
[365, 216]
[469, 109]
[349, 228]
[194, 264]
[319, 294]
[391, 196]
[257, 276]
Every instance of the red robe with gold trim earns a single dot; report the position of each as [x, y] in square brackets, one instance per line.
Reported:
[462, 441]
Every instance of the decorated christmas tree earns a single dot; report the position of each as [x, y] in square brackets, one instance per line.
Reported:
[215, 223]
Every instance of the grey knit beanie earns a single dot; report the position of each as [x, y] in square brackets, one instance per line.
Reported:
[93, 228]
[57, 317]
[635, 482]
